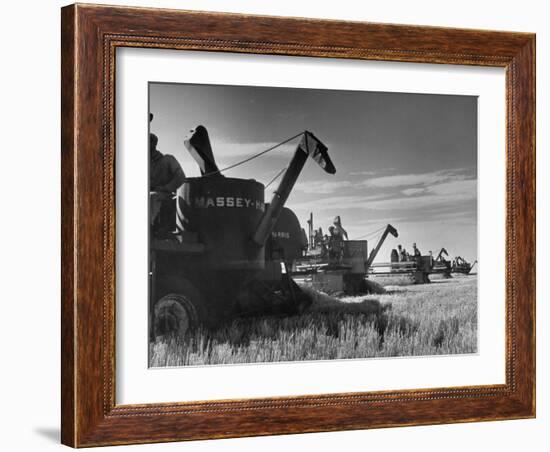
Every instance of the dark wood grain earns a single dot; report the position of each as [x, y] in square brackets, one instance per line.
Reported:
[67, 226]
[90, 36]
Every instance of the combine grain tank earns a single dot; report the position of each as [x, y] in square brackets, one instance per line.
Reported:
[224, 214]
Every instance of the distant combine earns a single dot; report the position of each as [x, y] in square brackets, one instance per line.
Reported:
[334, 264]
[418, 267]
[460, 265]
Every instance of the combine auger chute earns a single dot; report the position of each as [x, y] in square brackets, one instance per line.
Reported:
[389, 230]
[225, 261]
[442, 265]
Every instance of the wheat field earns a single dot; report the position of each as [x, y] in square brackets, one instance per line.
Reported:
[407, 320]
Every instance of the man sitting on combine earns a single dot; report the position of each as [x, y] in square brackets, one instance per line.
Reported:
[402, 253]
[166, 176]
[416, 254]
[339, 230]
[336, 245]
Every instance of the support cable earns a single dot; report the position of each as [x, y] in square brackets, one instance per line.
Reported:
[252, 157]
[276, 176]
[369, 234]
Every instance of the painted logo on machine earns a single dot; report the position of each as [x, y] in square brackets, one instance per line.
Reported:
[206, 202]
[280, 235]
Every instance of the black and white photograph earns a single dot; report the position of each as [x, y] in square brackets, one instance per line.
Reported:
[293, 224]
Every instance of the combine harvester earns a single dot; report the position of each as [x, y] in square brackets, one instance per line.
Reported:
[418, 269]
[460, 265]
[344, 273]
[231, 255]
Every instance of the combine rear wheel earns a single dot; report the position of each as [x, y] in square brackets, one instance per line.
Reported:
[175, 315]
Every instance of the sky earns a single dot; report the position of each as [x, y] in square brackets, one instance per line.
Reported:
[409, 160]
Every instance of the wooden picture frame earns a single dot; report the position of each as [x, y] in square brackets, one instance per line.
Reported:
[90, 36]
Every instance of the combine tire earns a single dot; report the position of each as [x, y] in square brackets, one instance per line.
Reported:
[174, 316]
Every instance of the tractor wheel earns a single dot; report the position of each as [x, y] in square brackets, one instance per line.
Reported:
[174, 315]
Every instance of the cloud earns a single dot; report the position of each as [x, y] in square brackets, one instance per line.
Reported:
[423, 183]
[461, 217]
[466, 187]
[320, 187]
[363, 173]
[413, 191]
[438, 195]
[408, 180]
[435, 197]
[431, 191]
[372, 172]
[335, 203]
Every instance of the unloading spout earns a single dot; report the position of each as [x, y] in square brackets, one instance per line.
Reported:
[389, 230]
[309, 146]
[198, 145]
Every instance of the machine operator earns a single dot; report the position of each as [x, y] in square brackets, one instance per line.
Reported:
[166, 176]
[339, 230]
[166, 173]
[417, 255]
